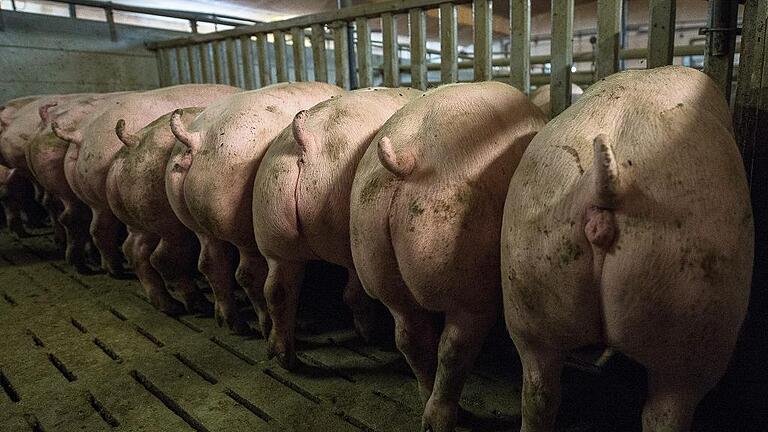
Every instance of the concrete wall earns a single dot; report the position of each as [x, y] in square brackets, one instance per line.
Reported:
[46, 54]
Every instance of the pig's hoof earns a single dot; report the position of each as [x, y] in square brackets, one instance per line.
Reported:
[287, 361]
[218, 316]
[170, 307]
[265, 326]
[85, 269]
[239, 327]
[285, 357]
[439, 416]
[120, 274]
[200, 306]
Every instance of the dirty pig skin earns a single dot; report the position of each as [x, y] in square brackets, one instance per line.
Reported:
[628, 224]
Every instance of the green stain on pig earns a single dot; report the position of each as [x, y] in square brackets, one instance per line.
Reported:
[463, 196]
[569, 253]
[415, 209]
[371, 188]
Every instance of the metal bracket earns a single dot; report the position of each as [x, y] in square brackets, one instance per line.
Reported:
[716, 39]
[704, 30]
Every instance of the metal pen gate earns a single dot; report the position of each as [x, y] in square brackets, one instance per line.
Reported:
[241, 56]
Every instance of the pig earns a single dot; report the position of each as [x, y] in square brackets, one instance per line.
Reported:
[15, 194]
[167, 251]
[9, 109]
[93, 145]
[628, 224]
[209, 183]
[19, 121]
[17, 198]
[45, 155]
[425, 220]
[541, 97]
[301, 203]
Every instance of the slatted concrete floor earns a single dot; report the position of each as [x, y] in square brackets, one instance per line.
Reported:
[89, 353]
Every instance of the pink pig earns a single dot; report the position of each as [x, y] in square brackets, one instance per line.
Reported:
[426, 211]
[628, 224]
[209, 182]
[93, 146]
[45, 155]
[301, 203]
[162, 251]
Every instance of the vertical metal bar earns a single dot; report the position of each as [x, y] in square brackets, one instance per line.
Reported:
[171, 78]
[218, 73]
[2, 21]
[520, 45]
[247, 50]
[319, 59]
[364, 57]
[449, 66]
[193, 26]
[418, 48]
[281, 64]
[72, 11]
[231, 52]
[205, 69]
[161, 75]
[265, 68]
[661, 38]
[191, 66]
[389, 38]
[299, 60]
[749, 84]
[341, 53]
[173, 70]
[483, 39]
[562, 55]
[608, 33]
[721, 44]
[181, 66]
[111, 23]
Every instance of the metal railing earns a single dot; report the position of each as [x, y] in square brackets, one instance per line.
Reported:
[231, 57]
[109, 8]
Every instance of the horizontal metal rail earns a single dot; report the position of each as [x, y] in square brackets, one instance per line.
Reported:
[349, 14]
[189, 16]
[583, 57]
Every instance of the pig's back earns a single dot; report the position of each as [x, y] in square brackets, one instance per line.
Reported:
[220, 180]
[445, 217]
[682, 208]
[100, 143]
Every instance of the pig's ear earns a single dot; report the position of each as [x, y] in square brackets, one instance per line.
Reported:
[43, 112]
[75, 137]
[606, 172]
[127, 139]
[189, 139]
[304, 139]
[401, 165]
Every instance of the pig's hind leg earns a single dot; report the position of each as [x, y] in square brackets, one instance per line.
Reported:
[105, 230]
[542, 367]
[176, 259]
[281, 291]
[251, 274]
[75, 219]
[460, 343]
[364, 309]
[217, 263]
[139, 247]
[417, 338]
